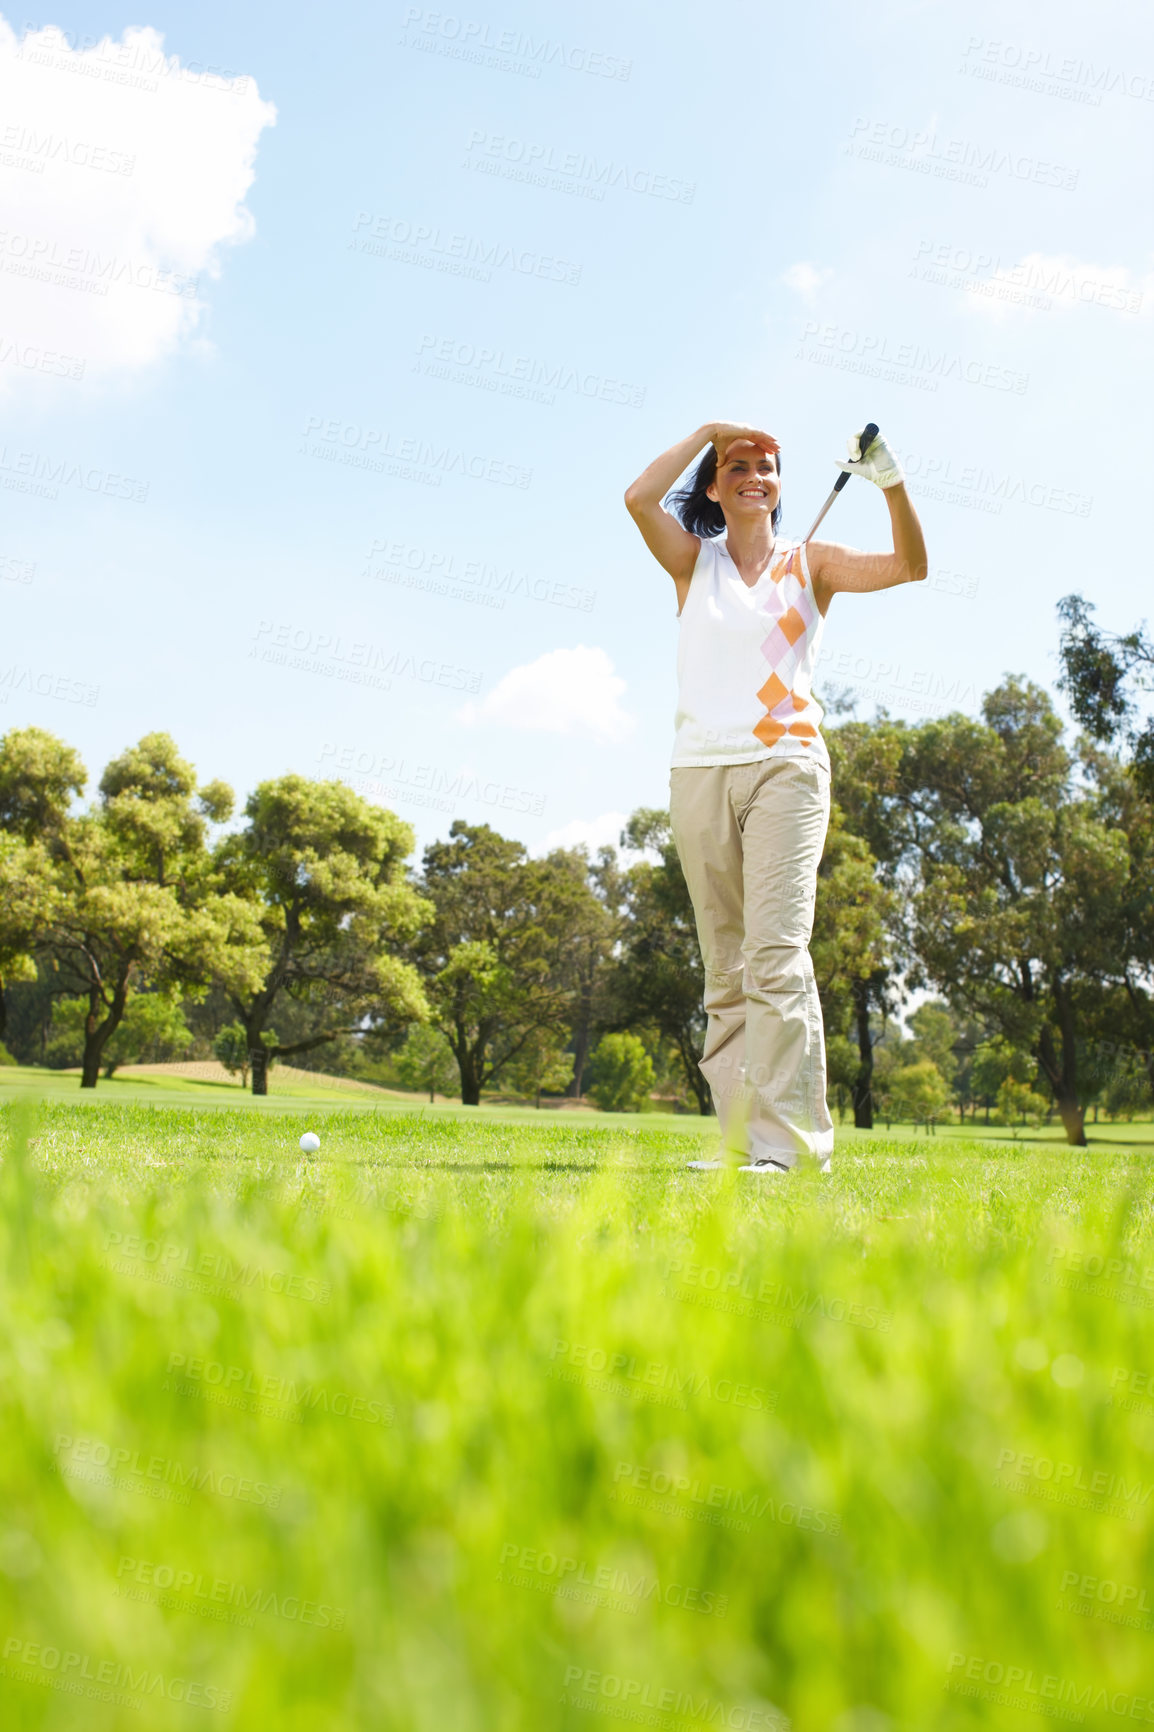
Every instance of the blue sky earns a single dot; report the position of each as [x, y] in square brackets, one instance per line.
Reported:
[330, 343]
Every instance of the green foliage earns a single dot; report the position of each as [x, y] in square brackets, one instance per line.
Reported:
[1127, 1093]
[426, 1061]
[541, 1066]
[1019, 1105]
[621, 1073]
[230, 1046]
[5, 1055]
[504, 953]
[152, 1031]
[656, 977]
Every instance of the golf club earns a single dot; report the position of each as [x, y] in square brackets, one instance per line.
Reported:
[865, 439]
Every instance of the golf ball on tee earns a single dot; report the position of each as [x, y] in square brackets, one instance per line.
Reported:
[310, 1142]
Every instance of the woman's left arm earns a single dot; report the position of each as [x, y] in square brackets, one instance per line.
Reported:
[836, 568]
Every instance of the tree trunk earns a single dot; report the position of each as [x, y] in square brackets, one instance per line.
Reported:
[580, 1054]
[470, 1080]
[258, 1060]
[1061, 1074]
[862, 1090]
[98, 1034]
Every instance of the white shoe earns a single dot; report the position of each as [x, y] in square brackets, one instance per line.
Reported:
[708, 1166]
[764, 1167]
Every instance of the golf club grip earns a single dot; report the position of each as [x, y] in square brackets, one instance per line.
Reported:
[864, 440]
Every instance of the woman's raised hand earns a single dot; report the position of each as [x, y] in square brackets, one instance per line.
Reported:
[727, 433]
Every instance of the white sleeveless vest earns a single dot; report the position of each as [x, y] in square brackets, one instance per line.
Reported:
[745, 659]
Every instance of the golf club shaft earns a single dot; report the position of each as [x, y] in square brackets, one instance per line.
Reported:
[865, 439]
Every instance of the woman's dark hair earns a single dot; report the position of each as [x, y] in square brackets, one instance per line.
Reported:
[697, 513]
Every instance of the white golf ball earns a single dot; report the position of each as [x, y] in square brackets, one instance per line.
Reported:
[310, 1142]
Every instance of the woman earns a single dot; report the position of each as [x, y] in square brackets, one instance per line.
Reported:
[749, 790]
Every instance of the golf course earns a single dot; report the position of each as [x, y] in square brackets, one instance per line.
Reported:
[490, 1418]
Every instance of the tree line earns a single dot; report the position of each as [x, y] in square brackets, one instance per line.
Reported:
[991, 864]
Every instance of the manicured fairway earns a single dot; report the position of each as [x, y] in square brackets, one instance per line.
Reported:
[509, 1422]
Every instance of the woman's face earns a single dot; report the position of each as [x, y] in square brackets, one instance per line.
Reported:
[747, 484]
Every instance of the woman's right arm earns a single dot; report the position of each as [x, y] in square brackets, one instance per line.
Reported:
[671, 545]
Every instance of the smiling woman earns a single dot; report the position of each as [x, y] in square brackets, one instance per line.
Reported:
[750, 783]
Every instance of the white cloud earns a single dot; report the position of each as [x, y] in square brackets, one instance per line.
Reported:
[594, 833]
[122, 176]
[806, 279]
[1058, 282]
[567, 691]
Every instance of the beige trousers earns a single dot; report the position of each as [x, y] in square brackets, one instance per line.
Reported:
[750, 837]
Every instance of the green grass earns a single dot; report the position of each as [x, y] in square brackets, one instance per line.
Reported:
[508, 1421]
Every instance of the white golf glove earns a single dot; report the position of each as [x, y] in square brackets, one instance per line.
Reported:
[878, 463]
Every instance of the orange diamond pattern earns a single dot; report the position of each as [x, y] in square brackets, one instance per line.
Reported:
[780, 649]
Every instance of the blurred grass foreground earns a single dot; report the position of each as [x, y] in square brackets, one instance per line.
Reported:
[468, 1425]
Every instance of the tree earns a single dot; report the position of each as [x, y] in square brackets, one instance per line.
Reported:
[1102, 672]
[854, 917]
[1018, 909]
[134, 907]
[152, 1030]
[621, 1073]
[497, 958]
[28, 898]
[996, 1062]
[1018, 1105]
[864, 883]
[426, 1061]
[39, 778]
[325, 872]
[541, 1065]
[655, 977]
[919, 1092]
[230, 1048]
